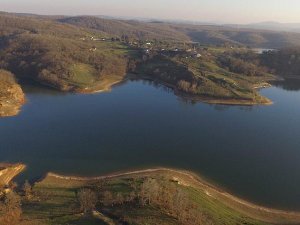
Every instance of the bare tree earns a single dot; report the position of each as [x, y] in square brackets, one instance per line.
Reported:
[88, 200]
[27, 189]
[119, 199]
[150, 190]
[107, 198]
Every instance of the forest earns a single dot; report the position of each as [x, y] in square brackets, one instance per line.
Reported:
[285, 62]
[55, 55]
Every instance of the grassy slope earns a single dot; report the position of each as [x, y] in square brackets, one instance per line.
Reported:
[57, 200]
[85, 78]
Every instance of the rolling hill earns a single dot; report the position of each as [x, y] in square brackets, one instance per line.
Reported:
[273, 26]
[205, 34]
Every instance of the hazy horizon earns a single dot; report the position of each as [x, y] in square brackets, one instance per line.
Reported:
[213, 11]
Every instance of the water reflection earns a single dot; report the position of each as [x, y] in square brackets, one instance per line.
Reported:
[288, 84]
[31, 88]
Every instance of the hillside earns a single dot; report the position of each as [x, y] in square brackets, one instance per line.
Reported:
[57, 55]
[270, 25]
[133, 29]
[205, 34]
[11, 95]
[247, 37]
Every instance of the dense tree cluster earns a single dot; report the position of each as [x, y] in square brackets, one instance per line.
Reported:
[170, 72]
[10, 209]
[11, 212]
[285, 62]
[246, 63]
[187, 87]
[162, 194]
[173, 200]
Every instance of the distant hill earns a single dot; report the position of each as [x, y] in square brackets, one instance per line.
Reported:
[249, 37]
[258, 35]
[273, 26]
[205, 34]
[136, 29]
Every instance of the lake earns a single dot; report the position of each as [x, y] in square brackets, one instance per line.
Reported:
[253, 152]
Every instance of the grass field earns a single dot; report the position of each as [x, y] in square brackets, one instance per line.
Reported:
[83, 75]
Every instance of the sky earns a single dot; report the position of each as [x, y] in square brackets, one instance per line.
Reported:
[219, 11]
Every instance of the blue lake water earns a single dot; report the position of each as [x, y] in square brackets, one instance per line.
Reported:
[253, 152]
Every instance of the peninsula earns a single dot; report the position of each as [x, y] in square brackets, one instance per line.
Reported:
[150, 196]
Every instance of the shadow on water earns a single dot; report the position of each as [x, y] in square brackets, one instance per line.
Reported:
[32, 87]
[288, 84]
